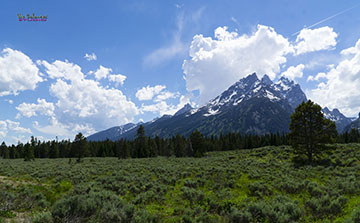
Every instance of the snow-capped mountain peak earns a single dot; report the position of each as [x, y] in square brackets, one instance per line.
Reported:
[251, 105]
[184, 109]
[284, 84]
[336, 116]
[266, 80]
[291, 91]
[112, 133]
[245, 89]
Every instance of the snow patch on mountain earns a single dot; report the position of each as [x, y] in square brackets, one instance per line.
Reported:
[336, 116]
[212, 112]
[271, 96]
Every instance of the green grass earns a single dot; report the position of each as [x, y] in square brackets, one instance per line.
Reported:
[259, 185]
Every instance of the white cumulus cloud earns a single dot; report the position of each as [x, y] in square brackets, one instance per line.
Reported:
[85, 101]
[104, 72]
[163, 108]
[310, 40]
[117, 78]
[147, 93]
[12, 127]
[42, 107]
[3, 129]
[294, 72]
[340, 89]
[317, 77]
[57, 128]
[17, 72]
[15, 126]
[62, 69]
[165, 95]
[217, 63]
[90, 57]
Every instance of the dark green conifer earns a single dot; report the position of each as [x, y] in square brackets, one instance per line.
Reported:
[310, 131]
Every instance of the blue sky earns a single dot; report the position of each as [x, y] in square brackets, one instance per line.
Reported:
[97, 64]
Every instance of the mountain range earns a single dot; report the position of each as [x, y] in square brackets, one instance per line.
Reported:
[335, 115]
[353, 125]
[251, 106]
[112, 133]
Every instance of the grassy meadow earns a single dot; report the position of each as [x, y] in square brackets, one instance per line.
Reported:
[257, 185]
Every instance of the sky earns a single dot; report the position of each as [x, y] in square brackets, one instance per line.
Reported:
[93, 65]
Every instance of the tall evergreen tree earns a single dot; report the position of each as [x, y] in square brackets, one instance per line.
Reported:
[309, 130]
[198, 143]
[189, 149]
[152, 147]
[169, 150]
[54, 149]
[4, 151]
[125, 150]
[180, 146]
[354, 135]
[28, 152]
[80, 146]
[141, 147]
[13, 152]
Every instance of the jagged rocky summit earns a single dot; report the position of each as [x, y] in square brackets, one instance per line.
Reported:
[249, 106]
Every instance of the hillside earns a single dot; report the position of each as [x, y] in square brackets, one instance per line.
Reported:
[259, 185]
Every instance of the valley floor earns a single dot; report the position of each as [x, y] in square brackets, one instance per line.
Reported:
[258, 185]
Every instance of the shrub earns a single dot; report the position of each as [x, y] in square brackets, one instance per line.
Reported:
[259, 189]
[190, 183]
[258, 211]
[42, 217]
[326, 206]
[192, 195]
[315, 190]
[291, 187]
[6, 201]
[238, 216]
[355, 217]
[283, 210]
[142, 216]
[91, 206]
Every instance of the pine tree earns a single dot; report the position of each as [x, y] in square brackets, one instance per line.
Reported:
[80, 146]
[28, 152]
[180, 146]
[354, 135]
[198, 143]
[189, 149]
[142, 149]
[169, 150]
[309, 130]
[153, 148]
[4, 151]
[54, 149]
[13, 152]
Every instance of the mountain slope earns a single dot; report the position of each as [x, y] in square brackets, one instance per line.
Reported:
[112, 133]
[291, 92]
[184, 109]
[340, 120]
[249, 106]
[353, 125]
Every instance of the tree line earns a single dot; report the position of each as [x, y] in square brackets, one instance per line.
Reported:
[309, 132]
[196, 145]
[193, 146]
